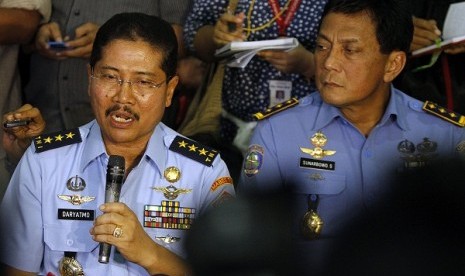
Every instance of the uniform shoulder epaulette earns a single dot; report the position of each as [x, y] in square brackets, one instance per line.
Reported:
[194, 150]
[57, 139]
[444, 113]
[276, 109]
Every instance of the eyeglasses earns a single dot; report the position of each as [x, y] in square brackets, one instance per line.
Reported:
[112, 82]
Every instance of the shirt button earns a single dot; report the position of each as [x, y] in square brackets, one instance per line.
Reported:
[77, 12]
[368, 154]
[69, 242]
[65, 77]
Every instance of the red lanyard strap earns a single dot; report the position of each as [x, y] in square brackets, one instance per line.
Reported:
[283, 24]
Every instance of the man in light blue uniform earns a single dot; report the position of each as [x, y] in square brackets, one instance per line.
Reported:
[52, 215]
[339, 148]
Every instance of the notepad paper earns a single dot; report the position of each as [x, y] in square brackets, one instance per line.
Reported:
[239, 53]
[453, 30]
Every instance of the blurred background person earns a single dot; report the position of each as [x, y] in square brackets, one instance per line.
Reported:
[250, 236]
[417, 229]
[19, 20]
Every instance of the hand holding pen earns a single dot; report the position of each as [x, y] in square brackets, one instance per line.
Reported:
[19, 127]
[229, 26]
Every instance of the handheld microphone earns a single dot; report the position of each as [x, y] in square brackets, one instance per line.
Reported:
[115, 176]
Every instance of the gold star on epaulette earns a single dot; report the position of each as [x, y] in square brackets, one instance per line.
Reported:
[193, 150]
[444, 113]
[275, 109]
[57, 139]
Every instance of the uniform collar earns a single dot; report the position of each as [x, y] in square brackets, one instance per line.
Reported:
[157, 146]
[94, 146]
[326, 113]
[396, 110]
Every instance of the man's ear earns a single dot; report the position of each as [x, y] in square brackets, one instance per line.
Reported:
[171, 87]
[394, 65]
[89, 73]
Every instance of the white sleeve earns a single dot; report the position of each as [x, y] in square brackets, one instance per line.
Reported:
[43, 6]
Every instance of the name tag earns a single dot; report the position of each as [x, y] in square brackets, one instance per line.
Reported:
[317, 164]
[76, 214]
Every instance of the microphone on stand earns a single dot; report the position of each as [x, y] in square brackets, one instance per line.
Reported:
[115, 176]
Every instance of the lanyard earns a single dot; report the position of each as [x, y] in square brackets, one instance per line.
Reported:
[284, 23]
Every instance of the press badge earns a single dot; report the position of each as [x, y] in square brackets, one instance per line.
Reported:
[280, 91]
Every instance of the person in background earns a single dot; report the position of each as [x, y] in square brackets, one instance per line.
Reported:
[339, 149]
[19, 21]
[54, 206]
[57, 80]
[411, 227]
[17, 139]
[253, 238]
[253, 88]
[443, 82]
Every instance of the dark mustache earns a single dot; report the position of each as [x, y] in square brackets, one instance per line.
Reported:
[126, 108]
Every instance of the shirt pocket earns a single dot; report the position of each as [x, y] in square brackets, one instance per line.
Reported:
[322, 184]
[332, 193]
[72, 237]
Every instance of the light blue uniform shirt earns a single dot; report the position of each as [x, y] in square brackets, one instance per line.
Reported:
[354, 171]
[35, 239]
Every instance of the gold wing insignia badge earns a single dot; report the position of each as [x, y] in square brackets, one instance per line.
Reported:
[76, 199]
[171, 192]
[317, 152]
[319, 140]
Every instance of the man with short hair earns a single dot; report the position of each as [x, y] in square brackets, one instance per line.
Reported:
[339, 148]
[54, 215]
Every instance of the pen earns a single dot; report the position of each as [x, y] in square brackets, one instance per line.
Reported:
[231, 10]
[16, 123]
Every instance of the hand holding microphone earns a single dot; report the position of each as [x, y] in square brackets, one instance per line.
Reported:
[115, 176]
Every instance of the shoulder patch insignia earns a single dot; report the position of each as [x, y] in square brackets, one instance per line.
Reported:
[57, 139]
[276, 109]
[444, 113]
[194, 150]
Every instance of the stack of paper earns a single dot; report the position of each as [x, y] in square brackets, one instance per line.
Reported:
[239, 53]
[452, 32]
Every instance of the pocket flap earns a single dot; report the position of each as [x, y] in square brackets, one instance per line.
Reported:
[74, 237]
[327, 184]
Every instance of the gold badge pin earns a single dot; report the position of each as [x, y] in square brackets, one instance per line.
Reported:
[76, 199]
[70, 267]
[311, 225]
[319, 140]
[172, 174]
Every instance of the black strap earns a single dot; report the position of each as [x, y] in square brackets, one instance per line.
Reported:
[313, 201]
[70, 254]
